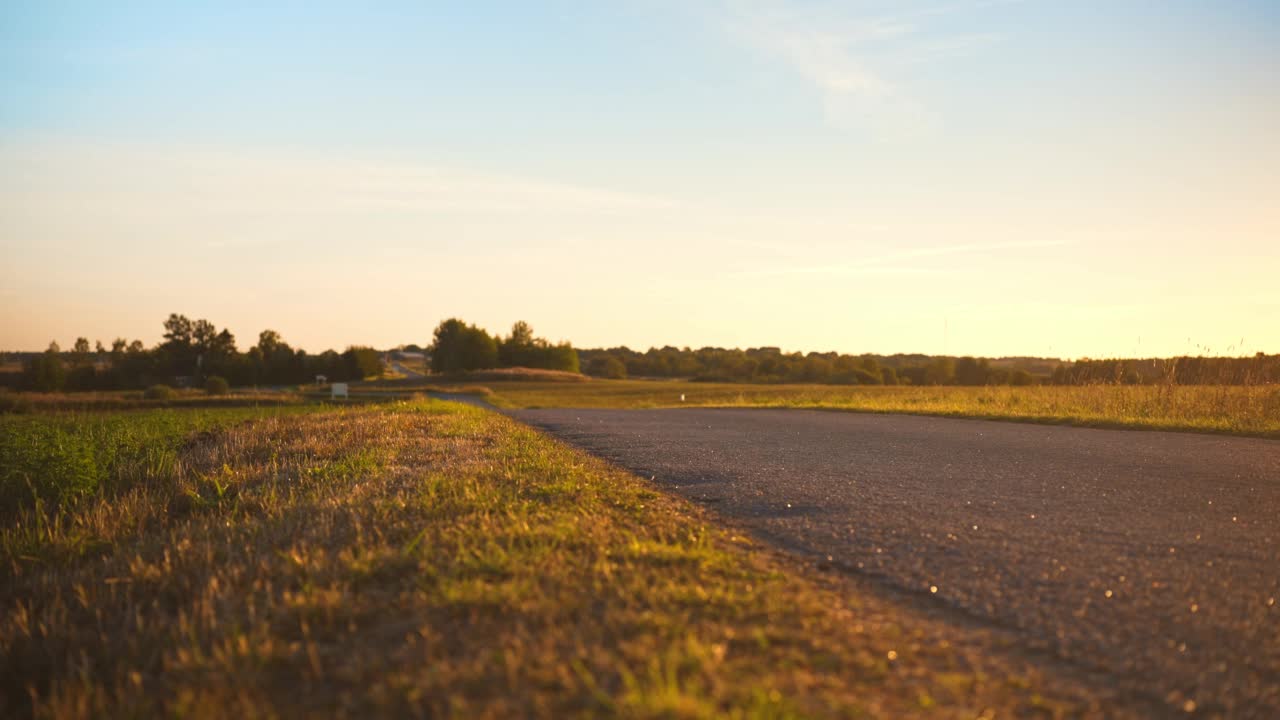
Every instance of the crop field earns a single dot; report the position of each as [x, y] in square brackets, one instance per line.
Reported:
[427, 558]
[1241, 410]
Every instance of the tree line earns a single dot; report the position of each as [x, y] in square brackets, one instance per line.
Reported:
[191, 353]
[771, 365]
[1255, 370]
[459, 347]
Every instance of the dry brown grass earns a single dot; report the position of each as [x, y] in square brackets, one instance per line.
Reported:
[501, 375]
[432, 560]
[1242, 410]
[521, 374]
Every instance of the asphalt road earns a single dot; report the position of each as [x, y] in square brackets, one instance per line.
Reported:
[1149, 560]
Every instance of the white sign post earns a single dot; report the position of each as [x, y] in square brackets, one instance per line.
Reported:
[338, 390]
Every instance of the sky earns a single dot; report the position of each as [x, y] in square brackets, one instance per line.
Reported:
[1092, 178]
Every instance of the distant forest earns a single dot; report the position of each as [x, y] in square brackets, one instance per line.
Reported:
[771, 365]
[192, 352]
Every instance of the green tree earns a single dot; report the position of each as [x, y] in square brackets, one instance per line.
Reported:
[458, 347]
[971, 371]
[203, 334]
[80, 351]
[561, 357]
[178, 329]
[46, 372]
[607, 366]
[178, 347]
[521, 334]
[942, 371]
[269, 341]
[363, 362]
[274, 361]
[1021, 378]
[520, 349]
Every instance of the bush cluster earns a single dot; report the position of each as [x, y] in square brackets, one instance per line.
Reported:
[459, 347]
[159, 392]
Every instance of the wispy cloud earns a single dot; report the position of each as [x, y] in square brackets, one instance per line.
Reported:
[822, 55]
[142, 197]
[114, 178]
[851, 58]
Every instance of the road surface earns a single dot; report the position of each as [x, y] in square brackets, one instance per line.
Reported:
[401, 368]
[1149, 560]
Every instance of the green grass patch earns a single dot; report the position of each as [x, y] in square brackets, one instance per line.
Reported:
[59, 458]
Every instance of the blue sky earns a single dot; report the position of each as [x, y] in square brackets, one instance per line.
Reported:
[1084, 178]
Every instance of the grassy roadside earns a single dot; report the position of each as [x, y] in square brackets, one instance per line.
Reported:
[1253, 410]
[430, 559]
[65, 457]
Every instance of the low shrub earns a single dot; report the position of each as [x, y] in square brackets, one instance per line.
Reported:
[159, 392]
[216, 386]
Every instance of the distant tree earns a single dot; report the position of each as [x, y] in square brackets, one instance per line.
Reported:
[178, 329]
[363, 362]
[521, 334]
[519, 349]
[871, 365]
[560, 357]
[45, 372]
[274, 362]
[269, 341]
[80, 351]
[942, 371]
[607, 366]
[224, 344]
[866, 377]
[203, 333]
[971, 371]
[458, 347]
[81, 375]
[178, 348]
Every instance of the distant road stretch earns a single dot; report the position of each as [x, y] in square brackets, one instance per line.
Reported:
[400, 367]
[1150, 559]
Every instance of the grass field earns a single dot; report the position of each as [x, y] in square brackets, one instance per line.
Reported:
[35, 402]
[426, 558]
[1244, 410]
[65, 457]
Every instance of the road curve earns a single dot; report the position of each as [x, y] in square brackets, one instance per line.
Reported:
[1151, 560]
